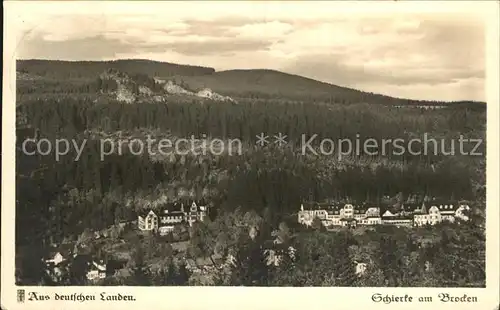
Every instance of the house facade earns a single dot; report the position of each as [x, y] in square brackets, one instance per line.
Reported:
[97, 270]
[56, 259]
[166, 218]
[347, 215]
[58, 255]
[436, 212]
[360, 268]
[148, 221]
[412, 214]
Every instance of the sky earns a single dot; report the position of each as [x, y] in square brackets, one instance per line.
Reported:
[423, 55]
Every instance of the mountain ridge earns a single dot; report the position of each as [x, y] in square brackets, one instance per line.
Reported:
[243, 83]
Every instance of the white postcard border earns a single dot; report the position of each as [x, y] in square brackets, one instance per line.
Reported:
[238, 297]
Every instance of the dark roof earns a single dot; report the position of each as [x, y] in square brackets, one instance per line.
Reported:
[440, 202]
[321, 206]
[397, 218]
[348, 219]
[441, 205]
[412, 205]
[188, 202]
[315, 206]
[177, 206]
[102, 263]
[382, 211]
[172, 213]
[83, 258]
[385, 208]
[199, 203]
[65, 250]
[81, 263]
[360, 209]
[370, 205]
[144, 212]
[333, 211]
[172, 208]
[407, 207]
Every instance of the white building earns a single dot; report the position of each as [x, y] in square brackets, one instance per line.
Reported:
[56, 259]
[347, 215]
[97, 271]
[58, 254]
[350, 215]
[165, 219]
[147, 220]
[360, 268]
[328, 214]
[438, 212]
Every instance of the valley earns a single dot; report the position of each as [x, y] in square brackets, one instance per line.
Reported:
[251, 236]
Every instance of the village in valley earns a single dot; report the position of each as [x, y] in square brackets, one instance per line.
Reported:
[142, 197]
[77, 257]
[409, 214]
[177, 218]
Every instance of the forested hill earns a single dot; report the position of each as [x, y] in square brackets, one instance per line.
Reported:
[254, 84]
[272, 84]
[91, 69]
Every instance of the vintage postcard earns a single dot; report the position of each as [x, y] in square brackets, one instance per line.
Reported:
[250, 155]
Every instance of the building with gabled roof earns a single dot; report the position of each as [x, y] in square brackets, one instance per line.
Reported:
[58, 254]
[413, 207]
[408, 214]
[434, 212]
[97, 270]
[147, 220]
[398, 220]
[338, 215]
[164, 219]
[360, 212]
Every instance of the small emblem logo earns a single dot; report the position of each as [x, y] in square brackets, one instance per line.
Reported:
[20, 295]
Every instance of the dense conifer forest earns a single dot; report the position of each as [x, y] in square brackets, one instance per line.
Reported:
[61, 201]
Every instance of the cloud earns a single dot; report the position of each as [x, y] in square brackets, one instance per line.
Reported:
[90, 48]
[64, 36]
[273, 29]
[214, 46]
[100, 47]
[394, 55]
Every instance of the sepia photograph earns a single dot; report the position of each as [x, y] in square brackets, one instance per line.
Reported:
[250, 144]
